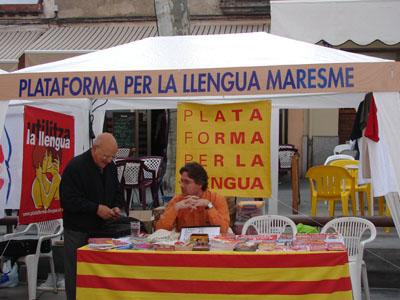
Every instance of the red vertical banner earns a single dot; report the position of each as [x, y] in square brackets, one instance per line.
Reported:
[48, 145]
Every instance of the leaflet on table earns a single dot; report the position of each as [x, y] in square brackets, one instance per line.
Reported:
[186, 232]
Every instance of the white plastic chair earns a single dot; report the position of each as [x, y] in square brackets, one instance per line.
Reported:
[342, 147]
[353, 229]
[269, 224]
[42, 231]
[337, 157]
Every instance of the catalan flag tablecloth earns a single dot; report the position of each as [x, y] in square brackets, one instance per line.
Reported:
[152, 275]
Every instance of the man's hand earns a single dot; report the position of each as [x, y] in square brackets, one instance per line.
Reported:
[191, 202]
[185, 203]
[106, 213]
[117, 212]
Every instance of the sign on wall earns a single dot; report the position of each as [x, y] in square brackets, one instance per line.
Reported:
[232, 142]
[48, 145]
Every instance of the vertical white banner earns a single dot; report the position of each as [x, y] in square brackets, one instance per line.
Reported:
[11, 154]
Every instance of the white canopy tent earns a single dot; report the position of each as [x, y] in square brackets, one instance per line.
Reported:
[337, 21]
[233, 55]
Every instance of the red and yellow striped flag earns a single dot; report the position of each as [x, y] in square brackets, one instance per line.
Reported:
[116, 274]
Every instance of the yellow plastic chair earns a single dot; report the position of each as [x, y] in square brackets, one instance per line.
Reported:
[330, 183]
[358, 188]
[383, 210]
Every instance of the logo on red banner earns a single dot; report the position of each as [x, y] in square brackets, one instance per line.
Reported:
[48, 144]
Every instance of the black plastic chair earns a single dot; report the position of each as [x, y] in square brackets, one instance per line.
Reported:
[131, 176]
[154, 173]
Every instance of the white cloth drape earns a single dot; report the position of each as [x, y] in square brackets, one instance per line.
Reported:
[388, 106]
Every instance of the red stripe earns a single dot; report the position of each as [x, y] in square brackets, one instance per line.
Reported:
[283, 260]
[216, 287]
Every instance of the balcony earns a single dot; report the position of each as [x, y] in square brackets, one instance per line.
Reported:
[245, 7]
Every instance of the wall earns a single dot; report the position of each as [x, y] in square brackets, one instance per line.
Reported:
[50, 8]
[104, 8]
[318, 135]
[126, 8]
[204, 7]
[324, 122]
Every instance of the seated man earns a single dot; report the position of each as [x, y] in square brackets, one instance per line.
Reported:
[196, 206]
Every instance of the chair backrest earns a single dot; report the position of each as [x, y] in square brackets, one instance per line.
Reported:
[120, 164]
[344, 163]
[285, 158]
[132, 172]
[350, 165]
[337, 157]
[286, 146]
[329, 181]
[152, 163]
[353, 231]
[342, 147]
[49, 227]
[269, 224]
[123, 152]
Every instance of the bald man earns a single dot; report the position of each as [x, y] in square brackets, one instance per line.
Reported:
[90, 195]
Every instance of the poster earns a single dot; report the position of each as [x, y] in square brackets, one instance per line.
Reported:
[48, 145]
[231, 141]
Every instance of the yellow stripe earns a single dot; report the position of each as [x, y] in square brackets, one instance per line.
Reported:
[214, 274]
[89, 293]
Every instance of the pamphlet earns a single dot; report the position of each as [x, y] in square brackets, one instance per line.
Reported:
[186, 232]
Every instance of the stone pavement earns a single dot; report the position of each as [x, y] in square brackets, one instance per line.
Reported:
[21, 293]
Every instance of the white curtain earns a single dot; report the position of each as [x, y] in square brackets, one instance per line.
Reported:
[12, 145]
[388, 106]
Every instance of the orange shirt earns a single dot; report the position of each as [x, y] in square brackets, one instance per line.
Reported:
[216, 216]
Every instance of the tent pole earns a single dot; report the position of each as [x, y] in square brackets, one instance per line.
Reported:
[274, 146]
[393, 201]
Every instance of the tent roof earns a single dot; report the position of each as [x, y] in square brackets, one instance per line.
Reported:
[177, 56]
[260, 52]
[201, 52]
[337, 21]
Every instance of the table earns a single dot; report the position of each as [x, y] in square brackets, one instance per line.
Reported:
[197, 275]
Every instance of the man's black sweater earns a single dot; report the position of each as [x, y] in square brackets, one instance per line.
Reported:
[83, 187]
